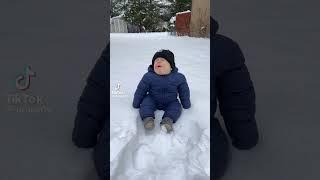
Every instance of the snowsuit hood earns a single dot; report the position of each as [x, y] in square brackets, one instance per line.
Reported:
[214, 26]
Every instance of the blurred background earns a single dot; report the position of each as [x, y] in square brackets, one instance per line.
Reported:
[279, 40]
[47, 49]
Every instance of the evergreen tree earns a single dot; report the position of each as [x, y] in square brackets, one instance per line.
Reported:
[143, 13]
[117, 7]
[179, 6]
[148, 14]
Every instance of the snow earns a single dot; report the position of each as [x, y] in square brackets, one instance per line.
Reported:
[164, 2]
[119, 16]
[173, 19]
[183, 12]
[137, 154]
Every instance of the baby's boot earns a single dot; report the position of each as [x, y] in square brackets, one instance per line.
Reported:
[148, 123]
[166, 124]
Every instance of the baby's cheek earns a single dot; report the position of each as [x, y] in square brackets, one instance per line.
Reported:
[167, 68]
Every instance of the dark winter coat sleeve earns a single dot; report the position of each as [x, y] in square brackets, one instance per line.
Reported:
[184, 93]
[236, 96]
[142, 89]
[92, 110]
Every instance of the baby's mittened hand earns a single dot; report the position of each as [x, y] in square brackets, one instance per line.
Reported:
[136, 106]
[186, 105]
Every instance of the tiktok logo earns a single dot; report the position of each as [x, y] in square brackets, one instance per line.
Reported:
[24, 101]
[117, 91]
[23, 81]
[118, 87]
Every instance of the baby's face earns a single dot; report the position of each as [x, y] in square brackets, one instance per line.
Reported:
[161, 66]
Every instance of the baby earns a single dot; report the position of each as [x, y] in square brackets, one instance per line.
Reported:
[159, 89]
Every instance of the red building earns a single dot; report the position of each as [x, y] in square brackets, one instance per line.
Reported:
[183, 23]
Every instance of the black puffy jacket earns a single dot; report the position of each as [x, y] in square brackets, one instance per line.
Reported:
[90, 128]
[234, 90]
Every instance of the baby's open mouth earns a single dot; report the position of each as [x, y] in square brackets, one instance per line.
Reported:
[158, 66]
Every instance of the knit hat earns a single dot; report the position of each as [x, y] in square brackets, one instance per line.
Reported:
[166, 54]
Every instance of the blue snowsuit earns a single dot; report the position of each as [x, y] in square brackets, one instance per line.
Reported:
[160, 92]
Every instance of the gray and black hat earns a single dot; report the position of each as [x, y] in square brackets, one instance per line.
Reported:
[166, 54]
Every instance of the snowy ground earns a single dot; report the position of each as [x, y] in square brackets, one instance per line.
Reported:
[139, 155]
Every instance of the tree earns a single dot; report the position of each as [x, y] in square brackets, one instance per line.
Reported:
[143, 13]
[179, 6]
[117, 7]
[148, 14]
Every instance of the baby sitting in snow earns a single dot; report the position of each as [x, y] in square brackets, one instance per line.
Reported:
[158, 89]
